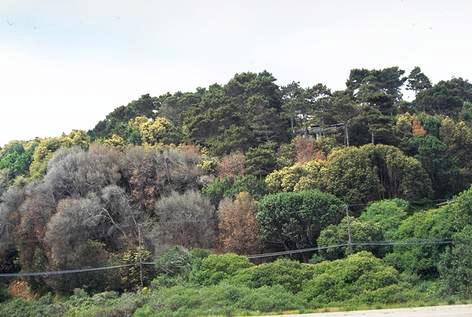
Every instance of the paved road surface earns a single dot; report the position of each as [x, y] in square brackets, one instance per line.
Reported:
[436, 311]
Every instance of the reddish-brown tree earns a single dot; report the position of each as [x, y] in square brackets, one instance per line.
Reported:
[231, 165]
[304, 149]
[417, 128]
[238, 228]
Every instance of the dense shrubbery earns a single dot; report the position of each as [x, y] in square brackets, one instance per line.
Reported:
[222, 299]
[456, 264]
[246, 167]
[216, 268]
[388, 214]
[238, 287]
[422, 258]
[360, 232]
[78, 305]
[289, 274]
[360, 277]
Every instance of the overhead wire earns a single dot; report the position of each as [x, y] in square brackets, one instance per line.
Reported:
[251, 257]
[370, 243]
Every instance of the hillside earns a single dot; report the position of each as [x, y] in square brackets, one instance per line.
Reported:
[246, 197]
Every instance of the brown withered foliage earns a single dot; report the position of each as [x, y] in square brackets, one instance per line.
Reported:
[231, 165]
[304, 149]
[238, 227]
[20, 289]
[152, 174]
[417, 128]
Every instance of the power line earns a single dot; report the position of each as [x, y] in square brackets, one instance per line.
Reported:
[63, 272]
[254, 256]
[289, 252]
[438, 202]
[351, 244]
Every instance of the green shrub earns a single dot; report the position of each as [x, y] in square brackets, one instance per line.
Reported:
[198, 253]
[390, 294]
[388, 214]
[192, 301]
[107, 304]
[361, 231]
[371, 172]
[456, 265]
[164, 280]
[24, 308]
[79, 293]
[222, 299]
[427, 290]
[176, 264]
[437, 161]
[216, 268]
[288, 274]
[270, 299]
[461, 209]
[421, 259]
[342, 280]
[175, 261]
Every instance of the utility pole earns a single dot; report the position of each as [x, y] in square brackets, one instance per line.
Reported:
[349, 243]
[346, 132]
[140, 256]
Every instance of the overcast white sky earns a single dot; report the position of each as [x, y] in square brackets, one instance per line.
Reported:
[65, 64]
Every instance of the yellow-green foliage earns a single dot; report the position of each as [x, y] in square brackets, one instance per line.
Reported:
[76, 138]
[291, 275]
[130, 276]
[357, 174]
[217, 268]
[208, 165]
[403, 124]
[115, 140]
[42, 155]
[313, 176]
[360, 276]
[46, 148]
[298, 177]
[152, 131]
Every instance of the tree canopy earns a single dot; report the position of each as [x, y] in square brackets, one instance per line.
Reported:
[252, 166]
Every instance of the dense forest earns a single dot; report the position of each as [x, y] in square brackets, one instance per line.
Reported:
[198, 181]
